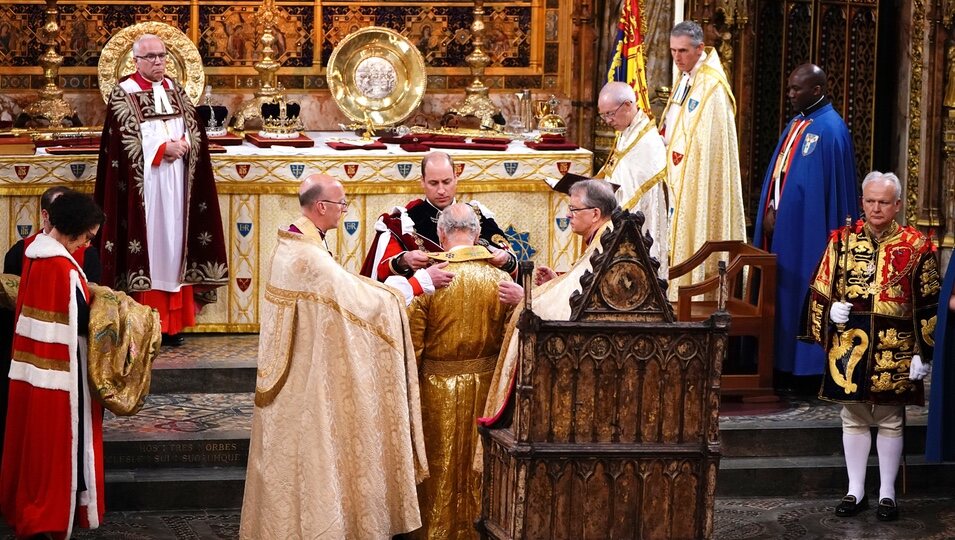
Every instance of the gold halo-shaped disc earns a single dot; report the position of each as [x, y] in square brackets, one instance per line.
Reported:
[183, 61]
[378, 72]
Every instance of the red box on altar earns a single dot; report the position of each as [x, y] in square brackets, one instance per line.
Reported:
[229, 139]
[17, 146]
[66, 141]
[72, 150]
[301, 141]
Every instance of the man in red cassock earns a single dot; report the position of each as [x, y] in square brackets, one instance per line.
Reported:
[162, 241]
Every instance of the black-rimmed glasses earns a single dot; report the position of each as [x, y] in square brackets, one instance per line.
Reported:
[152, 57]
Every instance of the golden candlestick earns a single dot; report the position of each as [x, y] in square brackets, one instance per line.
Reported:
[50, 104]
[267, 67]
[477, 102]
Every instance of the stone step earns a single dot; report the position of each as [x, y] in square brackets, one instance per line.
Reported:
[207, 363]
[801, 442]
[173, 488]
[176, 488]
[823, 475]
[163, 454]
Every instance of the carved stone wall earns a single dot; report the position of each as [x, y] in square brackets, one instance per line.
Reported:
[527, 44]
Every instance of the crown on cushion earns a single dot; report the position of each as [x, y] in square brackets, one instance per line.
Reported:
[280, 119]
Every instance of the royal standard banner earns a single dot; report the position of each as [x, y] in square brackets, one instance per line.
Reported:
[627, 62]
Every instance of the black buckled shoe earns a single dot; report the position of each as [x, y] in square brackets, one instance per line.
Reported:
[176, 340]
[887, 510]
[848, 507]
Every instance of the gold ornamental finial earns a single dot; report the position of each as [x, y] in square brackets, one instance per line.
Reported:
[51, 104]
[477, 102]
[269, 90]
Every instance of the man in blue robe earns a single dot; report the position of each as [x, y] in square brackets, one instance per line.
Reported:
[940, 439]
[808, 191]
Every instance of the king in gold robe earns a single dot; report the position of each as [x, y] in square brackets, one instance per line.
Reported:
[699, 127]
[336, 447]
[457, 334]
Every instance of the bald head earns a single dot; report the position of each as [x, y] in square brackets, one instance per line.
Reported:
[617, 91]
[807, 85]
[812, 73]
[322, 199]
[312, 188]
[617, 104]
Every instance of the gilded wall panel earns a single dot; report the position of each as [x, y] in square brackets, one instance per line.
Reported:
[525, 39]
[229, 35]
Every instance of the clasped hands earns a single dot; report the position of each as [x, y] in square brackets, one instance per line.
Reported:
[839, 314]
[175, 149]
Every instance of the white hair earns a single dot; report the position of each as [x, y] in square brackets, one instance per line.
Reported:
[888, 177]
[142, 38]
[459, 217]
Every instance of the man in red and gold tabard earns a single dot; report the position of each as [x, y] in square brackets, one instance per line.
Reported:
[162, 241]
[404, 236]
[871, 305]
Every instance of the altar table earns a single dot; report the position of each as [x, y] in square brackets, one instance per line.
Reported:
[258, 193]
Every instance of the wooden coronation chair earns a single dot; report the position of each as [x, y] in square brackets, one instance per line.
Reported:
[751, 304]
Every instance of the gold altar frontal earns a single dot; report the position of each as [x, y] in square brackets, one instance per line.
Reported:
[258, 193]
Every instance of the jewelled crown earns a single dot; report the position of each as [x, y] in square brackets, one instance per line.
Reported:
[213, 116]
[280, 119]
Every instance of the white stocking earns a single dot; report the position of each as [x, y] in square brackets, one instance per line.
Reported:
[857, 455]
[890, 454]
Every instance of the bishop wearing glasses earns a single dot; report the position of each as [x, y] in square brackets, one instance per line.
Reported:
[162, 241]
[637, 165]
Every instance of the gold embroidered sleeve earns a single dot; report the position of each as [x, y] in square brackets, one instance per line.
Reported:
[925, 289]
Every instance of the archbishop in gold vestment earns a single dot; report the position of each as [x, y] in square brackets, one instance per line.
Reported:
[703, 168]
[336, 446]
[457, 333]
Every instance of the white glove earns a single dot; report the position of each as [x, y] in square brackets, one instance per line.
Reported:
[839, 312]
[918, 370]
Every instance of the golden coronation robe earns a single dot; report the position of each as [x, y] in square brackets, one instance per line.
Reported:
[703, 168]
[336, 448]
[457, 333]
[638, 166]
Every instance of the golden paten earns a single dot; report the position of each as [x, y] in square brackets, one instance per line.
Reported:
[183, 62]
[376, 76]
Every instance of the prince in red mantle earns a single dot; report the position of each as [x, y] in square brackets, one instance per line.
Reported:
[163, 231]
[404, 236]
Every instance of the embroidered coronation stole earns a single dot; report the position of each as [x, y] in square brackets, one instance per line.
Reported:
[638, 166]
[703, 170]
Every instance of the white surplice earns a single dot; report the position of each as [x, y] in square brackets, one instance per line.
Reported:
[164, 194]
